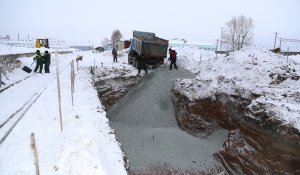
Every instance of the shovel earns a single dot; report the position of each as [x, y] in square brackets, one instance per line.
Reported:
[27, 69]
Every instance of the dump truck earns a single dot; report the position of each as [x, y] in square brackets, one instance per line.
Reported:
[147, 46]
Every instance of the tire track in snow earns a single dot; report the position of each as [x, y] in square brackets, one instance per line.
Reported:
[28, 104]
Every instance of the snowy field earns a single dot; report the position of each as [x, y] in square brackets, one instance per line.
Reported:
[87, 144]
[6, 50]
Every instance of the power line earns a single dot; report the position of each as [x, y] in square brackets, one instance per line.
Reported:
[289, 40]
[289, 35]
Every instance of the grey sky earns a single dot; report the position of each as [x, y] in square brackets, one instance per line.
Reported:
[81, 21]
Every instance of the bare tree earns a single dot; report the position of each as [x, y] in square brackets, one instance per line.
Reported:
[116, 35]
[238, 33]
[105, 42]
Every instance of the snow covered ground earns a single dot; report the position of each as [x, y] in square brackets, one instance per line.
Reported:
[86, 145]
[5, 50]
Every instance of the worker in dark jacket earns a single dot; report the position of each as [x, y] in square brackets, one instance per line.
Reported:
[172, 58]
[47, 61]
[39, 61]
[115, 55]
[141, 64]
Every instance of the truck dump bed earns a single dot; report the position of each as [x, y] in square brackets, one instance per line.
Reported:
[148, 46]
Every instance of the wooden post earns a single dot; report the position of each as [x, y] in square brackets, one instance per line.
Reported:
[77, 64]
[200, 58]
[58, 90]
[217, 48]
[94, 63]
[287, 56]
[35, 154]
[72, 80]
[0, 76]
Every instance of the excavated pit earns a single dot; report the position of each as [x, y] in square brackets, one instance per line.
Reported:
[252, 147]
[146, 126]
[111, 90]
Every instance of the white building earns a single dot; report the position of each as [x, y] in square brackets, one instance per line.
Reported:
[30, 43]
[120, 45]
[201, 45]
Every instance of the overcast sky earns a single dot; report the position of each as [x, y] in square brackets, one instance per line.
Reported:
[81, 21]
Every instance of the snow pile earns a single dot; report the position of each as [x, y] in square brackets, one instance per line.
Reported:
[191, 57]
[271, 80]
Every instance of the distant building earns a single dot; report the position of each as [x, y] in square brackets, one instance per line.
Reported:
[201, 45]
[120, 45]
[30, 43]
[108, 47]
[83, 48]
[7, 37]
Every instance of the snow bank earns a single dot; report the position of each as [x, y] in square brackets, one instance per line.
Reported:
[272, 77]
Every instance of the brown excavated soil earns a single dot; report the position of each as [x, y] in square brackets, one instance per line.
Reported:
[252, 147]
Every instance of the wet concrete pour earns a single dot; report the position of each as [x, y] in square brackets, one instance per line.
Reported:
[146, 126]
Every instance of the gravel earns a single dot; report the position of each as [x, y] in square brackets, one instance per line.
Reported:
[146, 126]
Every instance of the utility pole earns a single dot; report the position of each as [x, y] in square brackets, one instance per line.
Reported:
[280, 43]
[275, 39]
[221, 37]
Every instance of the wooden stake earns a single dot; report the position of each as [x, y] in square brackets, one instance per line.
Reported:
[72, 80]
[217, 48]
[287, 56]
[77, 65]
[35, 154]
[58, 90]
[200, 58]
